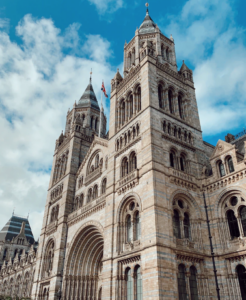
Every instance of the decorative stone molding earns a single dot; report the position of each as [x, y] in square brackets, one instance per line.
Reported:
[182, 179]
[186, 243]
[130, 260]
[223, 182]
[93, 176]
[87, 210]
[56, 193]
[189, 258]
[51, 228]
[128, 182]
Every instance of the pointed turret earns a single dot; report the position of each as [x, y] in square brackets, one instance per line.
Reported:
[89, 99]
[148, 25]
[14, 227]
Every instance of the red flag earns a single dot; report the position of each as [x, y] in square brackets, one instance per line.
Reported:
[104, 90]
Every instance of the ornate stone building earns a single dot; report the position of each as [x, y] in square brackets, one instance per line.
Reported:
[125, 216]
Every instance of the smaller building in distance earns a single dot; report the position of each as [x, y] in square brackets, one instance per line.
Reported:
[17, 257]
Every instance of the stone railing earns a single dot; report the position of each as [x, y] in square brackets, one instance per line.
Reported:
[183, 179]
[51, 227]
[87, 207]
[184, 243]
[93, 176]
[127, 182]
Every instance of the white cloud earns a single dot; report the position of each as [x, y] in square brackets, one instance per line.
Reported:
[107, 6]
[207, 36]
[38, 85]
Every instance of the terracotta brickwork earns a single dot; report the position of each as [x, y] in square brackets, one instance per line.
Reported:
[125, 216]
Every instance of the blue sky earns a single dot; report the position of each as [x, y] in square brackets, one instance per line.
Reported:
[47, 49]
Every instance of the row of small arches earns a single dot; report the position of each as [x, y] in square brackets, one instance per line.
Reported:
[92, 194]
[127, 137]
[177, 132]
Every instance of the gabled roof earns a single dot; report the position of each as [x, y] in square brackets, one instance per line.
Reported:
[148, 25]
[97, 141]
[221, 148]
[89, 99]
[13, 228]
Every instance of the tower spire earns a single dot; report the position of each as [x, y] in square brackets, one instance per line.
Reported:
[90, 76]
[147, 8]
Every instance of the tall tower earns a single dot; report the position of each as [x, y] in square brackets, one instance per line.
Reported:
[156, 134]
[82, 125]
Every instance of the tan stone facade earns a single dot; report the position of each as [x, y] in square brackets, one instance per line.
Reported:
[125, 216]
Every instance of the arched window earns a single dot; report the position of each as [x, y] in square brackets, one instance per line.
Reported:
[169, 129]
[129, 228]
[230, 165]
[104, 185]
[170, 101]
[96, 121]
[138, 283]
[233, 225]
[89, 196]
[162, 51]
[242, 280]
[138, 129]
[91, 122]
[167, 54]
[124, 167]
[97, 161]
[182, 163]
[131, 105]
[243, 219]
[95, 192]
[222, 169]
[137, 226]
[123, 112]
[193, 284]
[133, 162]
[160, 95]
[81, 200]
[172, 159]
[181, 283]
[139, 98]
[180, 103]
[186, 226]
[176, 224]
[164, 126]
[129, 285]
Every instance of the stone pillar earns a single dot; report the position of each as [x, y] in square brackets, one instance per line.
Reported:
[182, 228]
[187, 280]
[240, 226]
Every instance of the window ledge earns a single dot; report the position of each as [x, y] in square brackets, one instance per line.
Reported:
[186, 243]
[128, 182]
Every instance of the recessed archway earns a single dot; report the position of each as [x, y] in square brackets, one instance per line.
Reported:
[84, 265]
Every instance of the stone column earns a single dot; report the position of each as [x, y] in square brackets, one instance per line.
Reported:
[240, 226]
[187, 280]
[182, 228]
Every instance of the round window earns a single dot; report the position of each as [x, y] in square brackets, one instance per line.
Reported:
[180, 203]
[234, 201]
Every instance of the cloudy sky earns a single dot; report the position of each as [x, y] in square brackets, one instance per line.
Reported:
[47, 49]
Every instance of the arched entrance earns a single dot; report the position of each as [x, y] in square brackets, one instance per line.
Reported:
[84, 266]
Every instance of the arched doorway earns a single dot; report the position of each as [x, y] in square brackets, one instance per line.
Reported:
[83, 270]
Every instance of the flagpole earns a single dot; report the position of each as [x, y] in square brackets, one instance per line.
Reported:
[100, 116]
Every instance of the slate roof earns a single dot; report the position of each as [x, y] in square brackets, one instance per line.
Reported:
[148, 25]
[13, 227]
[89, 99]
